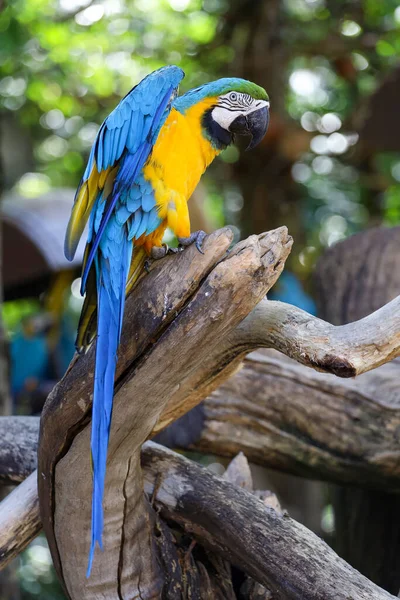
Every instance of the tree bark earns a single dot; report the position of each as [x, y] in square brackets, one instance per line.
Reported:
[283, 416]
[206, 301]
[19, 519]
[367, 523]
[291, 561]
[200, 304]
[18, 450]
[250, 532]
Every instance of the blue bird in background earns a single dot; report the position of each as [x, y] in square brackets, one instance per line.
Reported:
[289, 289]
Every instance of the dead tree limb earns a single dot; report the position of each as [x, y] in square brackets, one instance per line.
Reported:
[367, 522]
[185, 332]
[274, 549]
[275, 429]
[19, 519]
[205, 301]
[284, 416]
[18, 448]
[344, 350]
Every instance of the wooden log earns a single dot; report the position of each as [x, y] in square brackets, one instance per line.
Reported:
[287, 417]
[19, 519]
[294, 419]
[169, 354]
[18, 448]
[279, 553]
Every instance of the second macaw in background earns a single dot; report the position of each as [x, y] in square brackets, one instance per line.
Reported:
[145, 163]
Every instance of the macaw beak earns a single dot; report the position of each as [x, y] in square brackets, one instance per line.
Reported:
[254, 124]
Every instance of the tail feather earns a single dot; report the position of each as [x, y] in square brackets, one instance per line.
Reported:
[110, 307]
[87, 327]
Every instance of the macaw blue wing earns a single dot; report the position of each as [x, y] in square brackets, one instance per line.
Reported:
[121, 207]
[122, 146]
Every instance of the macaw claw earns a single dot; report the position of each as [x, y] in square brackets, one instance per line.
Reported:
[197, 238]
[158, 252]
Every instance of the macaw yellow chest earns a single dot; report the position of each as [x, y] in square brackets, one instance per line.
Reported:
[179, 158]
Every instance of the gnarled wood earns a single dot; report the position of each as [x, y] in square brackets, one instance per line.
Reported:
[284, 416]
[169, 355]
[305, 454]
[294, 419]
[291, 561]
[197, 306]
[344, 350]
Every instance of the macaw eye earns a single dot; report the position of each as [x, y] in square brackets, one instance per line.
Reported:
[233, 96]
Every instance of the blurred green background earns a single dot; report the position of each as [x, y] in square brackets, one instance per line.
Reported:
[328, 167]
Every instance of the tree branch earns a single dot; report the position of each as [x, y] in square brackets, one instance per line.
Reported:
[18, 449]
[19, 519]
[345, 350]
[282, 415]
[180, 311]
[170, 346]
[274, 549]
[285, 416]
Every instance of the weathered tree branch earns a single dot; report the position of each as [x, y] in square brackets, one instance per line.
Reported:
[344, 350]
[18, 448]
[274, 549]
[282, 415]
[181, 363]
[275, 427]
[206, 302]
[285, 416]
[19, 519]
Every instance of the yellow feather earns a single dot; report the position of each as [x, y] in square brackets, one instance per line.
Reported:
[83, 205]
[77, 222]
[180, 156]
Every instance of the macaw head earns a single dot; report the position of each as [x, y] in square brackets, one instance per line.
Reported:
[231, 107]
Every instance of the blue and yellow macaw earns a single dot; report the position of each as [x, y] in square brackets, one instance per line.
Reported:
[145, 163]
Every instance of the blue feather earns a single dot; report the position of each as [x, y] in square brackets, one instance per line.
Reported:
[154, 221]
[143, 225]
[111, 302]
[137, 217]
[148, 202]
[99, 159]
[124, 141]
[133, 205]
[107, 149]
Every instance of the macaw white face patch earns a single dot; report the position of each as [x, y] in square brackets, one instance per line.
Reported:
[232, 105]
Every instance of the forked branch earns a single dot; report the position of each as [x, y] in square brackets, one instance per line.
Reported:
[185, 333]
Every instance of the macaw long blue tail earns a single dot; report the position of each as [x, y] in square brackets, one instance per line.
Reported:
[111, 300]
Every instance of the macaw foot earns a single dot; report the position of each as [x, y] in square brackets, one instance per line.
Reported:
[197, 237]
[158, 252]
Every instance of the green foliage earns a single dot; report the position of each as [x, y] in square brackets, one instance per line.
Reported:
[326, 91]
[63, 67]
[36, 574]
[64, 64]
